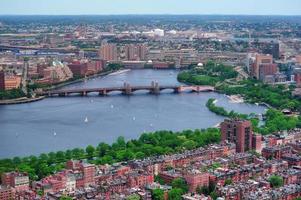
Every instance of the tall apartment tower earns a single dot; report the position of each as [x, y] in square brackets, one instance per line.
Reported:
[2, 80]
[130, 51]
[142, 51]
[239, 132]
[297, 78]
[108, 52]
[259, 60]
[135, 52]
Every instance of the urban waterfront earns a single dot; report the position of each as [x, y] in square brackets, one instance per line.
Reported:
[63, 123]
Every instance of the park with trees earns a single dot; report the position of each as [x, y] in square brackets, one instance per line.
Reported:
[147, 145]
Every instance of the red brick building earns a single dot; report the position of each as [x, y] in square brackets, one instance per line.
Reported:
[257, 142]
[276, 151]
[238, 132]
[195, 180]
[267, 69]
[298, 78]
[140, 180]
[7, 193]
[88, 173]
[260, 59]
[108, 52]
[78, 68]
[19, 181]
[2, 80]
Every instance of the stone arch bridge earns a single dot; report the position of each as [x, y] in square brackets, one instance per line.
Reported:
[127, 89]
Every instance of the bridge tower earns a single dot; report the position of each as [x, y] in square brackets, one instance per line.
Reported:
[127, 89]
[102, 92]
[25, 75]
[155, 87]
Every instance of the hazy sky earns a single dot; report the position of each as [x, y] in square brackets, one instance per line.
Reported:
[103, 7]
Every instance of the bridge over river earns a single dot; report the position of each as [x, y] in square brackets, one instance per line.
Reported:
[127, 89]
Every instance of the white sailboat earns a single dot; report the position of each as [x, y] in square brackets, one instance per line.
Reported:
[112, 106]
[54, 133]
[134, 118]
[86, 120]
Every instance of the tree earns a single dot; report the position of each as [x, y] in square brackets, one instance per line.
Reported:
[228, 181]
[60, 156]
[158, 179]
[90, 151]
[175, 194]
[203, 190]
[180, 183]
[157, 194]
[65, 198]
[103, 148]
[276, 181]
[140, 155]
[133, 197]
[107, 159]
[213, 195]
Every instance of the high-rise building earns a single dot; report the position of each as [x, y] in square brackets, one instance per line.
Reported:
[130, 51]
[298, 59]
[2, 80]
[78, 68]
[239, 132]
[273, 49]
[142, 51]
[266, 70]
[298, 77]
[135, 52]
[108, 52]
[260, 59]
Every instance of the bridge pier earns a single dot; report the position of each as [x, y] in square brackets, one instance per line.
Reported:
[155, 88]
[83, 93]
[102, 93]
[62, 94]
[127, 89]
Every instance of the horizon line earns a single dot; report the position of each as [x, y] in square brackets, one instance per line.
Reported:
[152, 14]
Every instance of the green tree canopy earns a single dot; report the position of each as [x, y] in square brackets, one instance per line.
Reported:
[157, 194]
[276, 181]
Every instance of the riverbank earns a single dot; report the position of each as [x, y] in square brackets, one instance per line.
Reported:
[21, 100]
[58, 86]
[252, 91]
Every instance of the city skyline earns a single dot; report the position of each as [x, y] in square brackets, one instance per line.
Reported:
[118, 7]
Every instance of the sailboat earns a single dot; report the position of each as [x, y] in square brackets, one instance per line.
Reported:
[54, 133]
[86, 120]
[112, 106]
[134, 118]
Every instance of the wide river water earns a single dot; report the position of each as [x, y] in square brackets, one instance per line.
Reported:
[62, 123]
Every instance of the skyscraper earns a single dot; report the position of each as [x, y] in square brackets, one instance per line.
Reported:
[130, 51]
[239, 132]
[272, 48]
[260, 59]
[267, 69]
[2, 80]
[135, 52]
[298, 77]
[108, 52]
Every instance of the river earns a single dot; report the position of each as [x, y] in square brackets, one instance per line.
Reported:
[67, 122]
